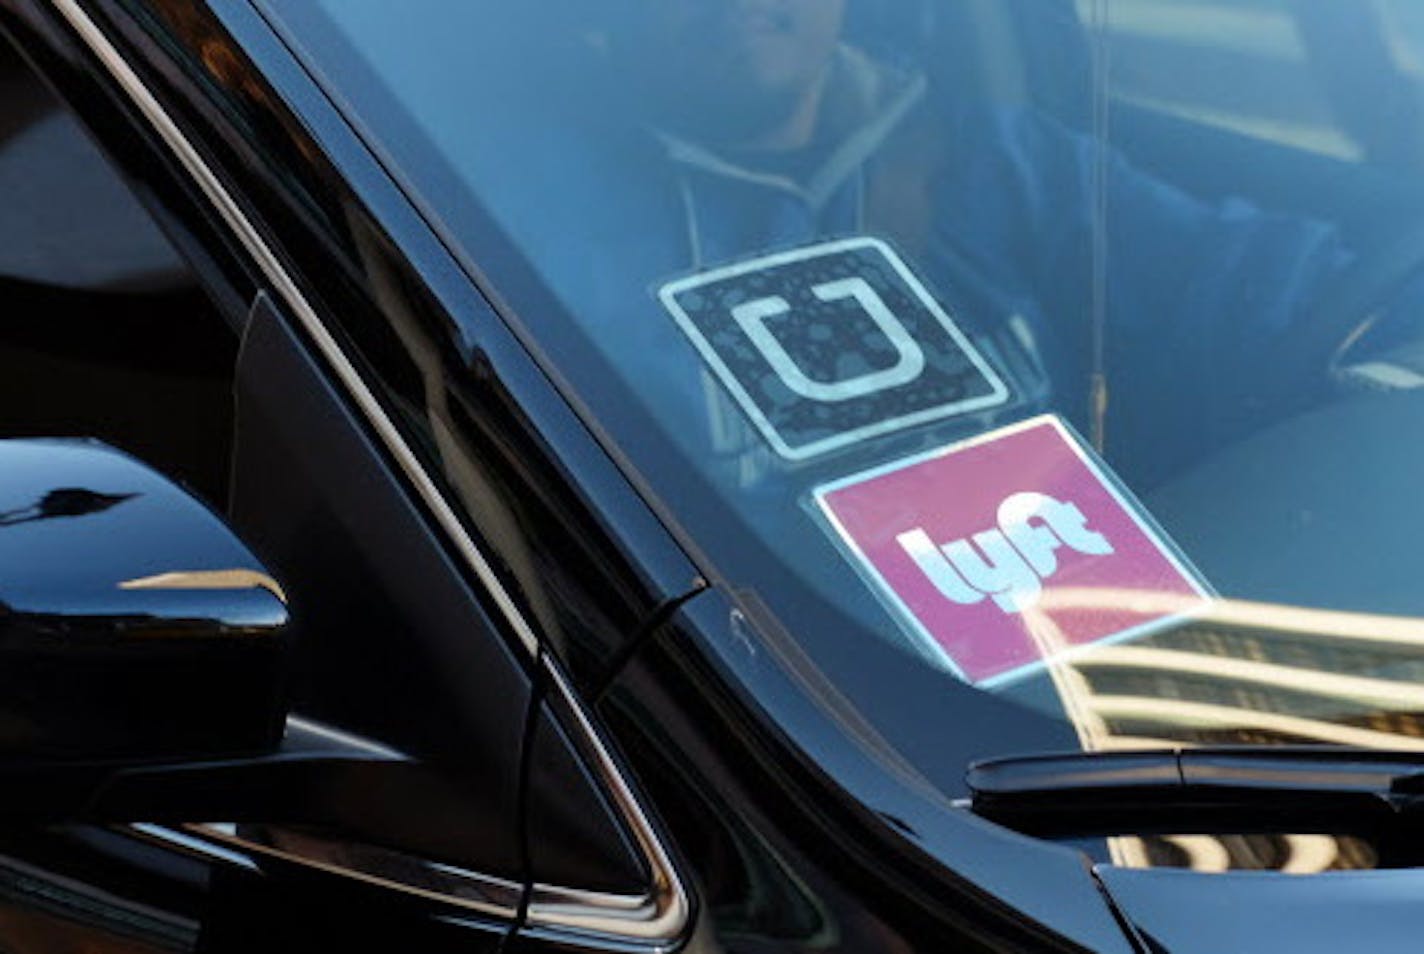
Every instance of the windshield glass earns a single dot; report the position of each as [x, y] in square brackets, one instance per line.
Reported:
[1053, 367]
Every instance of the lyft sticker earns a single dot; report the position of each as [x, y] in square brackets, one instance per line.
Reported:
[828, 345]
[1009, 550]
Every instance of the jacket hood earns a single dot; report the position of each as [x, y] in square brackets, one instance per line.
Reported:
[863, 104]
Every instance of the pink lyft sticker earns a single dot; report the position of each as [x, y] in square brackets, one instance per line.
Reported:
[1008, 550]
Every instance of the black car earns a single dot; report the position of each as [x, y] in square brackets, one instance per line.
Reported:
[746, 475]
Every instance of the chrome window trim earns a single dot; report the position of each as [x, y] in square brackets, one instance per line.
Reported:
[663, 913]
[657, 919]
[447, 884]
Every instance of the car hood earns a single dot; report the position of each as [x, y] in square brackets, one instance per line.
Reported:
[1185, 912]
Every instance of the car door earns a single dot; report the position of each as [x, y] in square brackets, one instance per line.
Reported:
[424, 628]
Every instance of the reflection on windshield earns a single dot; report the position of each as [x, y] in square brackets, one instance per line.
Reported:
[1245, 673]
[1288, 854]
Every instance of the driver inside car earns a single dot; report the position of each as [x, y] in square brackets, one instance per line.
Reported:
[777, 133]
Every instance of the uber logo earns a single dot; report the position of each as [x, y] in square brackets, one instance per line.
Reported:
[831, 344]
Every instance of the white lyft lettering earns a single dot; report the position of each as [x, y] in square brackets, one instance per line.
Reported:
[1008, 562]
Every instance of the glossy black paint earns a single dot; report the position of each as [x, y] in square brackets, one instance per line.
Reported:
[315, 494]
[1183, 912]
[574, 835]
[132, 622]
[802, 829]
[817, 833]
[316, 497]
[309, 779]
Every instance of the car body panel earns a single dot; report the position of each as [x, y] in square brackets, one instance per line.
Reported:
[1185, 911]
[490, 588]
[821, 809]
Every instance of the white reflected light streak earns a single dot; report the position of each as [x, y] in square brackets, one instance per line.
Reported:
[1205, 715]
[1310, 854]
[1277, 617]
[207, 580]
[1383, 693]
[1204, 852]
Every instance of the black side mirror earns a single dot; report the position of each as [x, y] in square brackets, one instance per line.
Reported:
[134, 626]
[142, 662]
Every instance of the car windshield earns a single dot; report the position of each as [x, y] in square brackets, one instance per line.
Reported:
[1040, 374]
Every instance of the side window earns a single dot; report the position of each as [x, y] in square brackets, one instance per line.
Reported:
[1292, 73]
[1262, 87]
[104, 331]
[1405, 27]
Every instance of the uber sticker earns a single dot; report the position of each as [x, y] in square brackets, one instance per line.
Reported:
[831, 344]
[1009, 550]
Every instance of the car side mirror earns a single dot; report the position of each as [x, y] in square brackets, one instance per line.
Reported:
[134, 626]
[142, 652]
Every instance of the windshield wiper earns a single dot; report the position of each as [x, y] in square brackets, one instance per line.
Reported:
[1276, 788]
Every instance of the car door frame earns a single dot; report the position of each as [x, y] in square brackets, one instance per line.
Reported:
[237, 258]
